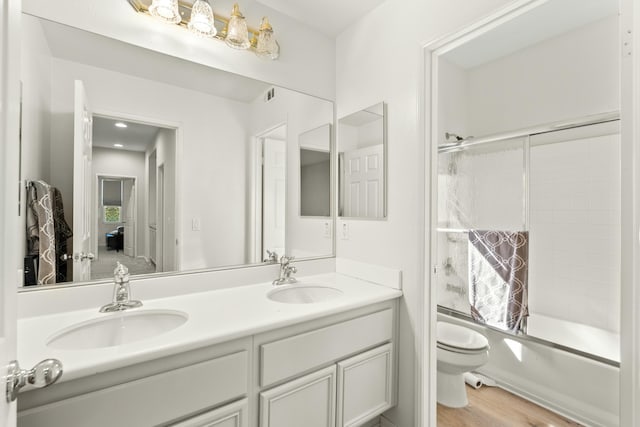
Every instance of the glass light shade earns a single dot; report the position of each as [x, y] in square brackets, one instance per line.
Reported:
[166, 10]
[267, 47]
[237, 33]
[201, 21]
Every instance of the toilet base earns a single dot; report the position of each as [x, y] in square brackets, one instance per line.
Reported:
[451, 390]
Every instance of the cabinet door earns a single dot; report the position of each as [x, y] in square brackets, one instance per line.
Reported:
[365, 386]
[231, 415]
[308, 401]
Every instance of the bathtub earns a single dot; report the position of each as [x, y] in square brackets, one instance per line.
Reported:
[584, 338]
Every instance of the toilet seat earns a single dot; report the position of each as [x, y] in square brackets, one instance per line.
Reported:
[459, 339]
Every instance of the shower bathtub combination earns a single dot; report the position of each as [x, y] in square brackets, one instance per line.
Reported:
[560, 183]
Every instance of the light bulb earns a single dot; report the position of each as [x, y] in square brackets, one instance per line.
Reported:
[237, 33]
[201, 21]
[166, 10]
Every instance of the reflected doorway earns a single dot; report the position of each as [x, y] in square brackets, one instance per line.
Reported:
[131, 220]
[272, 146]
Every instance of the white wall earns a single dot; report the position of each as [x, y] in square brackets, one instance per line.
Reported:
[121, 163]
[583, 80]
[306, 63]
[206, 125]
[377, 62]
[305, 237]
[36, 100]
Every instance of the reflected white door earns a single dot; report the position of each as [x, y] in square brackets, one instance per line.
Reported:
[82, 142]
[274, 190]
[363, 182]
[129, 217]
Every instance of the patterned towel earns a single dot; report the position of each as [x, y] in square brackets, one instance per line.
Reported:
[498, 274]
[41, 236]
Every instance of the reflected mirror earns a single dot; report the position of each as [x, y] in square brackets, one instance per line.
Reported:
[362, 152]
[315, 172]
[162, 164]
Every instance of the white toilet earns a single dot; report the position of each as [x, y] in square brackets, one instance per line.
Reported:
[460, 350]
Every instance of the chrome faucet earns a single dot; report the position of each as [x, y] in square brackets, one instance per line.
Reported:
[121, 292]
[286, 270]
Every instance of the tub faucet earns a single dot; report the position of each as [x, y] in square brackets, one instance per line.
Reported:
[286, 270]
[121, 292]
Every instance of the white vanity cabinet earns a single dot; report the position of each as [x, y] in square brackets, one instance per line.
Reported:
[172, 392]
[338, 370]
[339, 375]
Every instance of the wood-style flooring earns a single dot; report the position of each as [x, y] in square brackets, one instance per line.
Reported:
[495, 407]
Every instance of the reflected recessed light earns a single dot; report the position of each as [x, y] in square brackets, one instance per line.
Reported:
[118, 145]
[121, 125]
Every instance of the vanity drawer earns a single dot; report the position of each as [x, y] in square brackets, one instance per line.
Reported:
[149, 401]
[291, 356]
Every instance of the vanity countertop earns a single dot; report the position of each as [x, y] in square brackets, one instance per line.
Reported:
[214, 317]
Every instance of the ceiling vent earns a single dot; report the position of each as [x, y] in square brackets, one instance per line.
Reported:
[271, 93]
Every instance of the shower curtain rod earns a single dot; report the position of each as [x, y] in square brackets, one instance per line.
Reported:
[537, 130]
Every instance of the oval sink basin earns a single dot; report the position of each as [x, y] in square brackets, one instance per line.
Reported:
[303, 294]
[117, 329]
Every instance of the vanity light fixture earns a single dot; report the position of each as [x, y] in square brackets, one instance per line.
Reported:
[118, 145]
[120, 125]
[200, 19]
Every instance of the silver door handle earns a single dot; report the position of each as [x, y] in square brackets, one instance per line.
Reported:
[81, 256]
[43, 374]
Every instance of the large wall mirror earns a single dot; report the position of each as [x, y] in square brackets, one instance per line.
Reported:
[159, 163]
[362, 157]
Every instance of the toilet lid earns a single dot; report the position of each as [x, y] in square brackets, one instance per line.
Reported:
[460, 337]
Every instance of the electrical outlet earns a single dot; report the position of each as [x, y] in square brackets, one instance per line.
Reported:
[344, 231]
[195, 224]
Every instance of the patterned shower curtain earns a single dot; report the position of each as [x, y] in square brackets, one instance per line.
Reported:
[498, 278]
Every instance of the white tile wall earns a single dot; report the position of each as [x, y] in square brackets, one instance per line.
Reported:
[575, 231]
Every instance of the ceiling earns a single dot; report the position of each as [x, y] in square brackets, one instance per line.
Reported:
[330, 17]
[135, 137]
